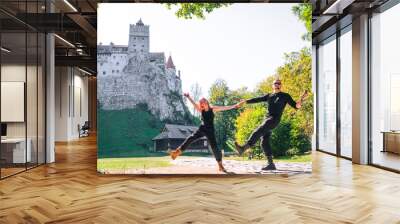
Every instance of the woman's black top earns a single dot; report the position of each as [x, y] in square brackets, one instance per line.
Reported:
[207, 118]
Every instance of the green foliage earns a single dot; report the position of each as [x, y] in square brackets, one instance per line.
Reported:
[248, 120]
[129, 132]
[224, 121]
[281, 138]
[304, 12]
[219, 92]
[126, 132]
[198, 10]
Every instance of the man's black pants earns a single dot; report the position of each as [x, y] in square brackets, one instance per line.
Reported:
[264, 132]
[210, 134]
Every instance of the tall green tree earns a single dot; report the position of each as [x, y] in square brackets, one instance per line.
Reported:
[197, 10]
[221, 95]
[304, 12]
[249, 119]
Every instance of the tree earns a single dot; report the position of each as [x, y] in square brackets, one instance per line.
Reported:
[304, 12]
[224, 121]
[190, 10]
[196, 92]
[218, 95]
[246, 122]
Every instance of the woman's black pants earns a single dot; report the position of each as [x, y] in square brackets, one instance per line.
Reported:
[201, 132]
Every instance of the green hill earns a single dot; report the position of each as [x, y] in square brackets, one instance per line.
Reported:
[125, 133]
[128, 132]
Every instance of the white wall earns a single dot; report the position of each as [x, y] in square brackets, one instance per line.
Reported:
[71, 102]
[33, 126]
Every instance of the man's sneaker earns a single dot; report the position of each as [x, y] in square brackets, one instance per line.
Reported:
[239, 149]
[270, 166]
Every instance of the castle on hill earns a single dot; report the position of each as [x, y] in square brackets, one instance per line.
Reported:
[129, 75]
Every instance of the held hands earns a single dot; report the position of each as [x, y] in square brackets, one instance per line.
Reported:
[186, 95]
[240, 104]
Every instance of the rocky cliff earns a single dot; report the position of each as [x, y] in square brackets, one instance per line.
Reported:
[144, 80]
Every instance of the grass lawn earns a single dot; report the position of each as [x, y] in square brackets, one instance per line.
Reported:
[132, 163]
[300, 158]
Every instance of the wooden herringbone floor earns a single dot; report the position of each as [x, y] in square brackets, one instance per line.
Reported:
[70, 191]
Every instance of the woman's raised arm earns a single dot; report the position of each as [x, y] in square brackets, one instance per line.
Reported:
[192, 101]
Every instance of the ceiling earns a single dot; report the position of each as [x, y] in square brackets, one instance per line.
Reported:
[328, 16]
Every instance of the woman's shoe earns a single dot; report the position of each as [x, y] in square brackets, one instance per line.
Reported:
[175, 153]
[221, 167]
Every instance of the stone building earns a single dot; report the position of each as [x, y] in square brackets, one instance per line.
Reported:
[131, 75]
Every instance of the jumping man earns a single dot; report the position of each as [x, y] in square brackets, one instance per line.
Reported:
[276, 103]
[206, 128]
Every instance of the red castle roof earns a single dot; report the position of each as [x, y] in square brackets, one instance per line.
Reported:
[170, 63]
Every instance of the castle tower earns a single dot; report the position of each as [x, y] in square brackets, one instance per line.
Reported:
[139, 38]
[170, 63]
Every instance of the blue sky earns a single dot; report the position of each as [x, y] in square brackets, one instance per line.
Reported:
[241, 43]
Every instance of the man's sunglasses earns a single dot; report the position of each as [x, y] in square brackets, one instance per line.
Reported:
[277, 83]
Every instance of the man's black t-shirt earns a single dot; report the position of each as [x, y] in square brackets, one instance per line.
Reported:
[276, 102]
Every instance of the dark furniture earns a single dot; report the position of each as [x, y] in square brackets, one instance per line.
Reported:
[84, 130]
[3, 129]
[391, 141]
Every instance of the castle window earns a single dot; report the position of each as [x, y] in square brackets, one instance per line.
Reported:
[114, 56]
[112, 71]
[134, 38]
[101, 64]
[142, 45]
[141, 50]
[104, 72]
[134, 45]
[117, 71]
[142, 38]
[117, 63]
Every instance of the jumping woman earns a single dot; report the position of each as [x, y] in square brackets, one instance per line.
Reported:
[206, 128]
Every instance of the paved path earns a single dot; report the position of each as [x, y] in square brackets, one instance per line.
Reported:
[208, 165]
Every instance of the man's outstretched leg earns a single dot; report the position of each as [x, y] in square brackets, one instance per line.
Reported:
[266, 126]
[266, 146]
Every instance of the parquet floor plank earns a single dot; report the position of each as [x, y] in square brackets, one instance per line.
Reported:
[71, 191]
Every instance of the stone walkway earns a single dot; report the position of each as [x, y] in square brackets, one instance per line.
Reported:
[208, 165]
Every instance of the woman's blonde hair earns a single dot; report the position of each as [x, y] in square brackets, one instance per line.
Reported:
[205, 101]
